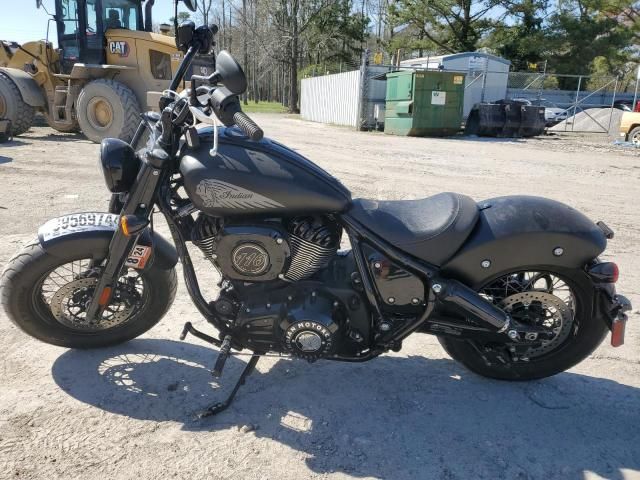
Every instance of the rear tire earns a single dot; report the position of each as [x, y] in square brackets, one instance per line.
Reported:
[586, 335]
[13, 108]
[108, 109]
[24, 273]
[73, 128]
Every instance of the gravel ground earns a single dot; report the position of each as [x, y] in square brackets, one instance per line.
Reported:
[125, 412]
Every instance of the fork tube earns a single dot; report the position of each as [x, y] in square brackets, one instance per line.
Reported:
[140, 203]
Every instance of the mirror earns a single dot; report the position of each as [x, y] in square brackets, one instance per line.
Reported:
[231, 73]
[38, 3]
[184, 35]
[191, 4]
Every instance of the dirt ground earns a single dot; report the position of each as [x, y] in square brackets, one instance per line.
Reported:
[125, 412]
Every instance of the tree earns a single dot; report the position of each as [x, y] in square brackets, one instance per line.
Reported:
[450, 26]
[182, 17]
[520, 35]
[582, 30]
[204, 11]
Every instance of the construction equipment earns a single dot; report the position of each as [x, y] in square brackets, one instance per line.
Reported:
[109, 67]
[5, 130]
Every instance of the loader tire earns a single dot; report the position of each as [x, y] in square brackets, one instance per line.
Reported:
[108, 109]
[13, 108]
[73, 128]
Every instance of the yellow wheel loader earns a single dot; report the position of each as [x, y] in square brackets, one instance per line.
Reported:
[107, 69]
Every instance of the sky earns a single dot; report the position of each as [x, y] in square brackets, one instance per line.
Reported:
[20, 21]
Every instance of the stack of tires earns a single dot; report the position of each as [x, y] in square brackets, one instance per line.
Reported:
[505, 119]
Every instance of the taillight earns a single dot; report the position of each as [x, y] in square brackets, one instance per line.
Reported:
[606, 272]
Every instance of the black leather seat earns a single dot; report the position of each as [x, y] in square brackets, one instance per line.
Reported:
[432, 229]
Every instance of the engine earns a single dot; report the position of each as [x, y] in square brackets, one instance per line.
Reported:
[289, 290]
[292, 250]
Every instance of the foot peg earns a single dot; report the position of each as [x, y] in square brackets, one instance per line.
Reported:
[222, 357]
[189, 328]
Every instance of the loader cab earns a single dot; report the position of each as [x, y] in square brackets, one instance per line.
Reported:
[82, 25]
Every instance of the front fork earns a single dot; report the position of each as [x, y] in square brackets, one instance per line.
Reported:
[138, 206]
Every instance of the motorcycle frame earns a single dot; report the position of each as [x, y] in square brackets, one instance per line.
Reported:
[152, 187]
[156, 190]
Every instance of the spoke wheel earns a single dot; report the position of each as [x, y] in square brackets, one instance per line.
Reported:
[67, 290]
[556, 299]
[541, 299]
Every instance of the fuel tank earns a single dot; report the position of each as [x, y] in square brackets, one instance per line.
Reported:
[256, 178]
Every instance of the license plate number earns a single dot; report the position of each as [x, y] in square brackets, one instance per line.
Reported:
[138, 257]
[77, 222]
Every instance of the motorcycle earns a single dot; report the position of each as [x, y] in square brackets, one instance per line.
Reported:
[512, 287]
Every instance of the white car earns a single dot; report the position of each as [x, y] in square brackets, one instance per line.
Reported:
[555, 115]
[552, 115]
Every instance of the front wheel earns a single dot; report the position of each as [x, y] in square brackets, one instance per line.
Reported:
[108, 109]
[47, 296]
[557, 300]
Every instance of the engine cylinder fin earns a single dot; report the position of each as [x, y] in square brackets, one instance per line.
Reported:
[307, 259]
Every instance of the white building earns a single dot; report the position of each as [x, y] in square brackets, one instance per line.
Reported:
[484, 73]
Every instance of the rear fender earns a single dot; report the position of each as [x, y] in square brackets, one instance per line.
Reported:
[521, 231]
[29, 90]
[60, 235]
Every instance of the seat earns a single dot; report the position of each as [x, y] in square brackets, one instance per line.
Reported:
[431, 229]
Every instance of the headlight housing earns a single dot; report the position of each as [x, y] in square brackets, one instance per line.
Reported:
[120, 165]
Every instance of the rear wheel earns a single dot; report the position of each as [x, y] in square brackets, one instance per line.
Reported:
[108, 109]
[13, 108]
[558, 301]
[47, 297]
[72, 128]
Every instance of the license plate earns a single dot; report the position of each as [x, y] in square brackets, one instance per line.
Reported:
[77, 222]
[138, 257]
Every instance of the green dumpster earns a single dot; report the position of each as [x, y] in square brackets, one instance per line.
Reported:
[424, 103]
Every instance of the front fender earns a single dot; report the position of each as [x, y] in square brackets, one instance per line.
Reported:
[59, 235]
[29, 90]
[523, 231]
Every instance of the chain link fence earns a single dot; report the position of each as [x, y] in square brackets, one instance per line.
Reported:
[573, 103]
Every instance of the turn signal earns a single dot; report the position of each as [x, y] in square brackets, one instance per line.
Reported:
[104, 296]
[606, 272]
[132, 225]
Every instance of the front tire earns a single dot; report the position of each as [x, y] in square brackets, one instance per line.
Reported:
[585, 335]
[634, 136]
[108, 109]
[21, 285]
[13, 108]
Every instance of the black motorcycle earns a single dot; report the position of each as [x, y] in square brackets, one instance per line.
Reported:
[511, 286]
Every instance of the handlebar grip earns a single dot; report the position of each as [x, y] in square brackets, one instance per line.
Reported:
[165, 121]
[248, 126]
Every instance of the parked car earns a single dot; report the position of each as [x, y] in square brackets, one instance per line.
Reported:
[630, 127]
[625, 105]
[552, 115]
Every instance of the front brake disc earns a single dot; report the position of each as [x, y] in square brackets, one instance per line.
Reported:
[69, 304]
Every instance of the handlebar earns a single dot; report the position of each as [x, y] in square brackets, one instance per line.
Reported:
[225, 105]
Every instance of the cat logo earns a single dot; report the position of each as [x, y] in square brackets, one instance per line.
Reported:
[119, 48]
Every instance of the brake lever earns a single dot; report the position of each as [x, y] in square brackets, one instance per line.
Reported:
[200, 116]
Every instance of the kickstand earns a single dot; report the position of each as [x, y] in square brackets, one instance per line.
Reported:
[220, 406]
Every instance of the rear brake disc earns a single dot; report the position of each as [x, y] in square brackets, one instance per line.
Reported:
[542, 310]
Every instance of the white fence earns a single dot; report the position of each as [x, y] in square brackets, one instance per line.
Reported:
[331, 99]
